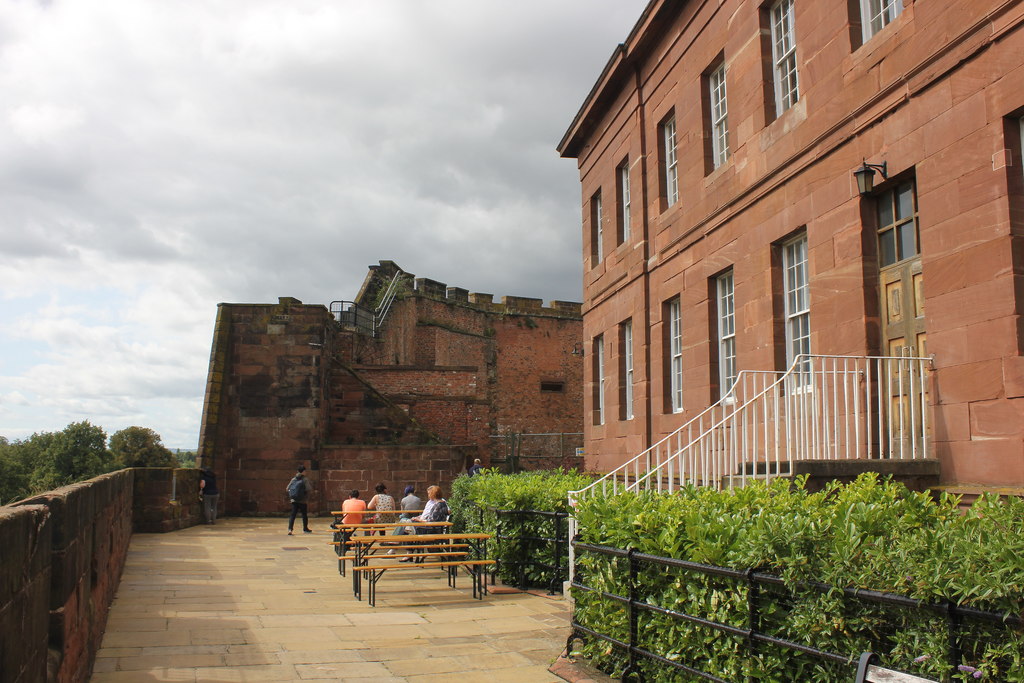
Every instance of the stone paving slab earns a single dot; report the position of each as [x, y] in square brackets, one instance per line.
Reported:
[242, 601]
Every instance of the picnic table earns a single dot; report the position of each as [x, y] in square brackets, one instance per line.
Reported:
[471, 547]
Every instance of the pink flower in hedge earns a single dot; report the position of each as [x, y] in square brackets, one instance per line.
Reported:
[922, 658]
[967, 669]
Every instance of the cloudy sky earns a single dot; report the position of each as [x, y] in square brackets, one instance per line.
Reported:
[157, 158]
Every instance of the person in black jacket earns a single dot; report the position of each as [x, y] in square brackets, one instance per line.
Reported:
[208, 490]
[298, 492]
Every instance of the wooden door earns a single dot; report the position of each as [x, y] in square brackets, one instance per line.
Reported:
[903, 329]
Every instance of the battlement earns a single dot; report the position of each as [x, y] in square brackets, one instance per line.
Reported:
[381, 275]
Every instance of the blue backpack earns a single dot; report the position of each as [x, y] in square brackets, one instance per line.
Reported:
[297, 489]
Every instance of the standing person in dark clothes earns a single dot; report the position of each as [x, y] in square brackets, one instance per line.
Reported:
[298, 492]
[211, 494]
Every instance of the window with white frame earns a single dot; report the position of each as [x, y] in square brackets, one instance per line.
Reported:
[599, 380]
[726, 333]
[719, 116]
[597, 228]
[877, 14]
[797, 306]
[624, 202]
[675, 349]
[787, 91]
[626, 379]
[669, 161]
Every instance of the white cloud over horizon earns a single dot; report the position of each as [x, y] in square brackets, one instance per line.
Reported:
[159, 158]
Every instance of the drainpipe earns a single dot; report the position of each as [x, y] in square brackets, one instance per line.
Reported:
[642, 124]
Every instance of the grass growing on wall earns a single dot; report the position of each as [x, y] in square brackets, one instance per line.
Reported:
[545, 490]
[870, 534]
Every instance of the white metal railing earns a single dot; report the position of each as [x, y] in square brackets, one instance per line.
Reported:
[823, 407]
[386, 300]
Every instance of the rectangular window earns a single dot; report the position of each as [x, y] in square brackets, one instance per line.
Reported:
[877, 14]
[599, 380]
[726, 333]
[797, 305]
[670, 167]
[719, 127]
[626, 370]
[675, 354]
[897, 225]
[784, 55]
[596, 229]
[624, 201]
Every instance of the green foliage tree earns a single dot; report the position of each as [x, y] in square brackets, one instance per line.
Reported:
[140, 447]
[14, 475]
[77, 452]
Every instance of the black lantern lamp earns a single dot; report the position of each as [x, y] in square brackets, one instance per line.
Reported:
[865, 176]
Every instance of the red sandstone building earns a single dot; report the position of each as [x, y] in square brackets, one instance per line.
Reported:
[407, 384]
[724, 228]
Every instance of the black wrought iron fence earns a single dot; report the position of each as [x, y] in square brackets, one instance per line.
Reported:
[531, 547]
[636, 619]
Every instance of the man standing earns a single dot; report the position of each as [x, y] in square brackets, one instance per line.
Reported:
[208, 490]
[298, 492]
[475, 468]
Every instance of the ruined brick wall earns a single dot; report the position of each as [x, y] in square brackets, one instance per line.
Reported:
[63, 555]
[289, 385]
[344, 468]
[269, 413]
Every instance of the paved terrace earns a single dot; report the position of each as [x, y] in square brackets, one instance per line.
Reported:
[243, 601]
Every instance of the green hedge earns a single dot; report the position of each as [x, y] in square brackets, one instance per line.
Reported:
[870, 534]
[546, 491]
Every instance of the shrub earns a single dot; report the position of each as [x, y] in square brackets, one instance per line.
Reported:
[870, 534]
[475, 501]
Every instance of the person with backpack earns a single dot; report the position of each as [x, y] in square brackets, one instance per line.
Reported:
[298, 492]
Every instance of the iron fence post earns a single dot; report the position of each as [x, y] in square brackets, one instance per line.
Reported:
[753, 617]
[557, 572]
[634, 628]
[953, 640]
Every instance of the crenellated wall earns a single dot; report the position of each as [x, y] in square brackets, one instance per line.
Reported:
[446, 371]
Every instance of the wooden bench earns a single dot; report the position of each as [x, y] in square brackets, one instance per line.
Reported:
[435, 545]
[375, 572]
[868, 672]
[429, 548]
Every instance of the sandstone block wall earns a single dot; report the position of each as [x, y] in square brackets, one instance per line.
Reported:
[289, 385]
[938, 95]
[165, 499]
[63, 555]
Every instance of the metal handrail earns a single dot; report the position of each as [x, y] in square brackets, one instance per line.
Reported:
[822, 407]
[385, 303]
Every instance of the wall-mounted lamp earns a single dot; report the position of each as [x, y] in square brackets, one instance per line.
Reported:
[865, 176]
[577, 349]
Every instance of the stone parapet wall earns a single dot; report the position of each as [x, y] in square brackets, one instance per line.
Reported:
[63, 555]
[165, 499]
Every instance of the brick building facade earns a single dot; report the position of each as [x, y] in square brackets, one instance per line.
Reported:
[723, 227]
[358, 398]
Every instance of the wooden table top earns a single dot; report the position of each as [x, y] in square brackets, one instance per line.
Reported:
[366, 540]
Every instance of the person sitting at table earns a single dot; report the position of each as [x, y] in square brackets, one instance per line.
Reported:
[410, 502]
[436, 510]
[351, 507]
[383, 503]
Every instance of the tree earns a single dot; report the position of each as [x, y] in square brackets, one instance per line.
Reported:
[60, 458]
[140, 447]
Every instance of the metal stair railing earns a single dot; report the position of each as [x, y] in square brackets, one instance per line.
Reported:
[823, 407]
[363, 319]
[385, 303]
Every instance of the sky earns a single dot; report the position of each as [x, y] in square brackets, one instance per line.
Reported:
[158, 158]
